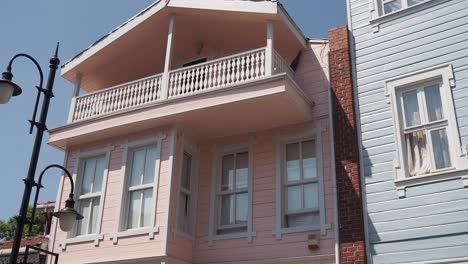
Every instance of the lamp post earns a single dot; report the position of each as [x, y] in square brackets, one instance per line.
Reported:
[7, 90]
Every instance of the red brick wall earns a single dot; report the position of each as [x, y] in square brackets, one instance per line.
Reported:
[350, 212]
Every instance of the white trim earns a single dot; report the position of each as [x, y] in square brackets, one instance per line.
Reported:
[316, 135]
[119, 229]
[262, 7]
[269, 49]
[168, 58]
[393, 88]
[218, 152]
[71, 237]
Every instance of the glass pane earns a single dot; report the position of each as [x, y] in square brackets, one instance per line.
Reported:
[100, 168]
[303, 219]
[413, 2]
[227, 209]
[147, 207]
[186, 168]
[410, 104]
[294, 198]
[292, 162]
[441, 149]
[138, 162]
[417, 155]
[88, 175]
[242, 170]
[311, 196]
[433, 102]
[184, 211]
[227, 181]
[134, 210]
[94, 215]
[84, 209]
[309, 160]
[241, 207]
[391, 6]
[150, 163]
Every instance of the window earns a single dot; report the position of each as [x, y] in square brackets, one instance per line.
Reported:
[390, 6]
[89, 200]
[140, 187]
[233, 193]
[301, 185]
[185, 211]
[428, 145]
[425, 129]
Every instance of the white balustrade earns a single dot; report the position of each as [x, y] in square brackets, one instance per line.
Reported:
[215, 74]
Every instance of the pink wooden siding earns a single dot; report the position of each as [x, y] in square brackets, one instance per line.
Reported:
[136, 247]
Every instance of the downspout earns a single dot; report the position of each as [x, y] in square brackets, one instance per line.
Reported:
[333, 167]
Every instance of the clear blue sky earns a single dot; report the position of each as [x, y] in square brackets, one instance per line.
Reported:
[34, 27]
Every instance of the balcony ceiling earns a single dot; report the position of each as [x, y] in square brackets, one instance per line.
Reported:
[137, 48]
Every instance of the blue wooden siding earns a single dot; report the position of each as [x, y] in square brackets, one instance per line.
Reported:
[432, 221]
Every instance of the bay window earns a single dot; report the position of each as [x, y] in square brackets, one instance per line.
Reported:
[390, 6]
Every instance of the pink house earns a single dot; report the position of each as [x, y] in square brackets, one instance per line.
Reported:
[200, 132]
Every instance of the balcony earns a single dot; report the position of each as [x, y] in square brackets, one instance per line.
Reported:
[224, 73]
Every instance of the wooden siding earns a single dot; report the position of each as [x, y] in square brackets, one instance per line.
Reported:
[431, 222]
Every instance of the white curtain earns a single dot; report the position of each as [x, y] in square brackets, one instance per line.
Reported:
[416, 149]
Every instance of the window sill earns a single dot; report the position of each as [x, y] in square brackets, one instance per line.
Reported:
[448, 174]
[81, 239]
[377, 20]
[300, 229]
[150, 231]
[247, 235]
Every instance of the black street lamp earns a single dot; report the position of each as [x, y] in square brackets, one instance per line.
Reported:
[7, 90]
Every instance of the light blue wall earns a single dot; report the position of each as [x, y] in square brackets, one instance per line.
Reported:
[432, 221]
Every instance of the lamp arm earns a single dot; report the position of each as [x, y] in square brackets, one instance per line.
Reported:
[39, 186]
[41, 82]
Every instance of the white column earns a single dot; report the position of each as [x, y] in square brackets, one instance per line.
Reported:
[269, 50]
[167, 63]
[76, 92]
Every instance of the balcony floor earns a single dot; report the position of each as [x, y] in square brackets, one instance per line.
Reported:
[262, 104]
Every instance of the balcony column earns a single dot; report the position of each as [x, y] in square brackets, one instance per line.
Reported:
[167, 62]
[76, 92]
[269, 50]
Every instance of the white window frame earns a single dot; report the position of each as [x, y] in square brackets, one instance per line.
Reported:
[281, 200]
[120, 229]
[80, 156]
[187, 148]
[394, 87]
[218, 153]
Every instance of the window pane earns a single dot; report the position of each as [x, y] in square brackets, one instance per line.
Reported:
[138, 162]
[183, 214]
[391, 6]
[441, 149]
[100, 168]
[186, 170]
[94, 215]
[227, 181]
[227, 209]
[311, 196]
[88, 175]
[84, 209]
[302, 219]
[416, 149]
[241, 207]
[433, 102]
[150, 164]
[410, 104]
[134, 209]
[294, 198]
[413, 2]
[309, 160]
[242, 170]
[147, 207]
[292, 162]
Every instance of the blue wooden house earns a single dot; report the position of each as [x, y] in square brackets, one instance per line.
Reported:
[410, 69]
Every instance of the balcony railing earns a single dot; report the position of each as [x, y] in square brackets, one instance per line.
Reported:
[216, 74]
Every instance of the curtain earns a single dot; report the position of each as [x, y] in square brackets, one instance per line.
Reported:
[416, 148]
